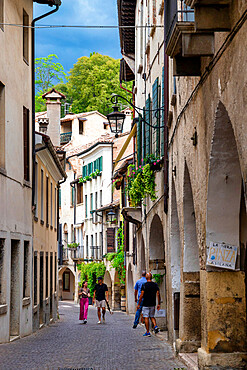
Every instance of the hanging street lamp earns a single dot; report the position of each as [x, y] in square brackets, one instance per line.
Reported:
[116, 118]
[116, 121]
[111, 215]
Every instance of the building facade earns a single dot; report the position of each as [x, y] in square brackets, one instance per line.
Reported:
[194, 233]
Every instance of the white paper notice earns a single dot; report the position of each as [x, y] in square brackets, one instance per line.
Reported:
[222, 255]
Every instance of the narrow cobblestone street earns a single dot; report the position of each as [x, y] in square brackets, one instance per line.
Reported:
[69, 344]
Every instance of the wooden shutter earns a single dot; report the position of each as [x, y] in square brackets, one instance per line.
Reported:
[126, 236]
[155, 118]
[139, 141]
[26, 140]
[110, 234]
[162, 130]
[147, 119]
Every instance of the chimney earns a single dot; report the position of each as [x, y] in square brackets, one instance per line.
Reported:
[53, 104]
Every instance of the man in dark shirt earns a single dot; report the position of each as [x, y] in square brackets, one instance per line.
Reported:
[101, 293]
[148, 294]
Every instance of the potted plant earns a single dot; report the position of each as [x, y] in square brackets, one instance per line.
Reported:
[73, 245]
[88, 178]
[93, 175]
[98, 173]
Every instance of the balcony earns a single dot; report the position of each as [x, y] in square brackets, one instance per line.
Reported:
[211, 15]
[71, 253]
[184, 44]
[65, 138]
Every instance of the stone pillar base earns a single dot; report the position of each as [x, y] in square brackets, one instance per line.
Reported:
[187, 346]
[235, 360]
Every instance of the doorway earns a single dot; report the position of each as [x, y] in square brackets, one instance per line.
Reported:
[41, 289]
[15, 289]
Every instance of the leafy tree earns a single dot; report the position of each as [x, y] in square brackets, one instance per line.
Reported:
[48, 72]
[91, 82]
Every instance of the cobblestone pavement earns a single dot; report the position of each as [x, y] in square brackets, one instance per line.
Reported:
[67, 344]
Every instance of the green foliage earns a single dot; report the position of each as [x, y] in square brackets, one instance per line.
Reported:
[73, 245]
[158, 278]
[90, 272]
[117, 259]
[47, 73]
[91, 82]
[93, 175]
[141, 183]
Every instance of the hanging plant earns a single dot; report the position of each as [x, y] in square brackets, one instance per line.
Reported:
[117, 259]
[158, 278]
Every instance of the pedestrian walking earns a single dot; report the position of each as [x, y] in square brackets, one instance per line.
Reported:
[137, 288]
[149, 291]
[101, 294]
[84, 294]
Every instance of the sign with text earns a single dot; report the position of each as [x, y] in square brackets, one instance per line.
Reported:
[222, 255]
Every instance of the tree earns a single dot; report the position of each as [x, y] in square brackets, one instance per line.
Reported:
[91, 82]
[48, 72]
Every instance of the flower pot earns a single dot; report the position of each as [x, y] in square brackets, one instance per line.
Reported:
[156, 166]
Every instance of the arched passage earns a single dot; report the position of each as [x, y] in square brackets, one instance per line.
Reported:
[130, 291]
[225, 223]
[66, 284]
[190, 305]
[108, 282]
[175, 250]
[157, 260]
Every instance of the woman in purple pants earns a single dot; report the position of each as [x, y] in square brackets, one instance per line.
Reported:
[84, 293]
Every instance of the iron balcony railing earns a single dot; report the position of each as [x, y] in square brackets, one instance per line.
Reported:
[65, 138]
[180, 13]
[71, 253]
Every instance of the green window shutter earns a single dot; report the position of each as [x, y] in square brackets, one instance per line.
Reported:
[139, 141]
[73, 196]
[148, 131]
[155, 118]
[144, 127]
[95, 165]
[84, 171]
[101, 163]
[162, 130]
[90, 167]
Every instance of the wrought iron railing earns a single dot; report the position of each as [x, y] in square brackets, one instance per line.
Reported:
[65, 138]
[182, 13]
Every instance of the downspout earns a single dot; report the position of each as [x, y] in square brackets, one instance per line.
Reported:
[33, 91]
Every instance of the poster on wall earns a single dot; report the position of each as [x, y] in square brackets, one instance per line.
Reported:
[222, 255]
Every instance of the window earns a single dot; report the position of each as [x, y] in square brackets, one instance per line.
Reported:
[46, 274]
[79, 193]
[55, 271]
[2, 282]
[101, 244]
[26, 271]
[51, 278]
[155, 119]
[148, 128]
[101, 164]
[91, 201]
[87, 246]
[96, 206]
[42, 196]
[66, 281]
[84, 171]
[100, 198]
[72, 196]
[55, 208]
[86, 206]
[96, 246]
[90, 168]
[26, 141]
[25, 36]
[2, 122]
[35, 279]
[1, 14]
[36, 190]
[92, 246]
[47, 201]
[51, 207]
[110, 234]
[81, 127]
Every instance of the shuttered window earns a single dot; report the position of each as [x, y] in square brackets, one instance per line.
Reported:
[148, 131]
[26, 142]
[144, 127]
[84, 171]
[155, 119]
[110, 234]
[101, 163]
[86, 206]
[139, 141]
[47, 201]
[72, 196]
[162, 130]
[95, 165]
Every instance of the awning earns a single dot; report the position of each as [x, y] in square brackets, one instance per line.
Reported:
[124, 147]
[127, 68]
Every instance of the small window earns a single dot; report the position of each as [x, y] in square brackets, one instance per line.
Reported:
[79, 193]
[47, 201]
[25, 36]
[26, 144]
[42, 196]
[81, 127]
[91, 201]
[72, 196]
[105, 126]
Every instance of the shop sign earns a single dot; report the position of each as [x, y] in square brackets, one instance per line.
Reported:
[222, 255]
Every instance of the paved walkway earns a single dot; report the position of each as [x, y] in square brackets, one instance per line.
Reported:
[67, 344]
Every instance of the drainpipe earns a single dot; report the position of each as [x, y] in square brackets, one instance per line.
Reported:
[58, 3]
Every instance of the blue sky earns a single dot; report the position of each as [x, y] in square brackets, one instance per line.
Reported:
[71, 44]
